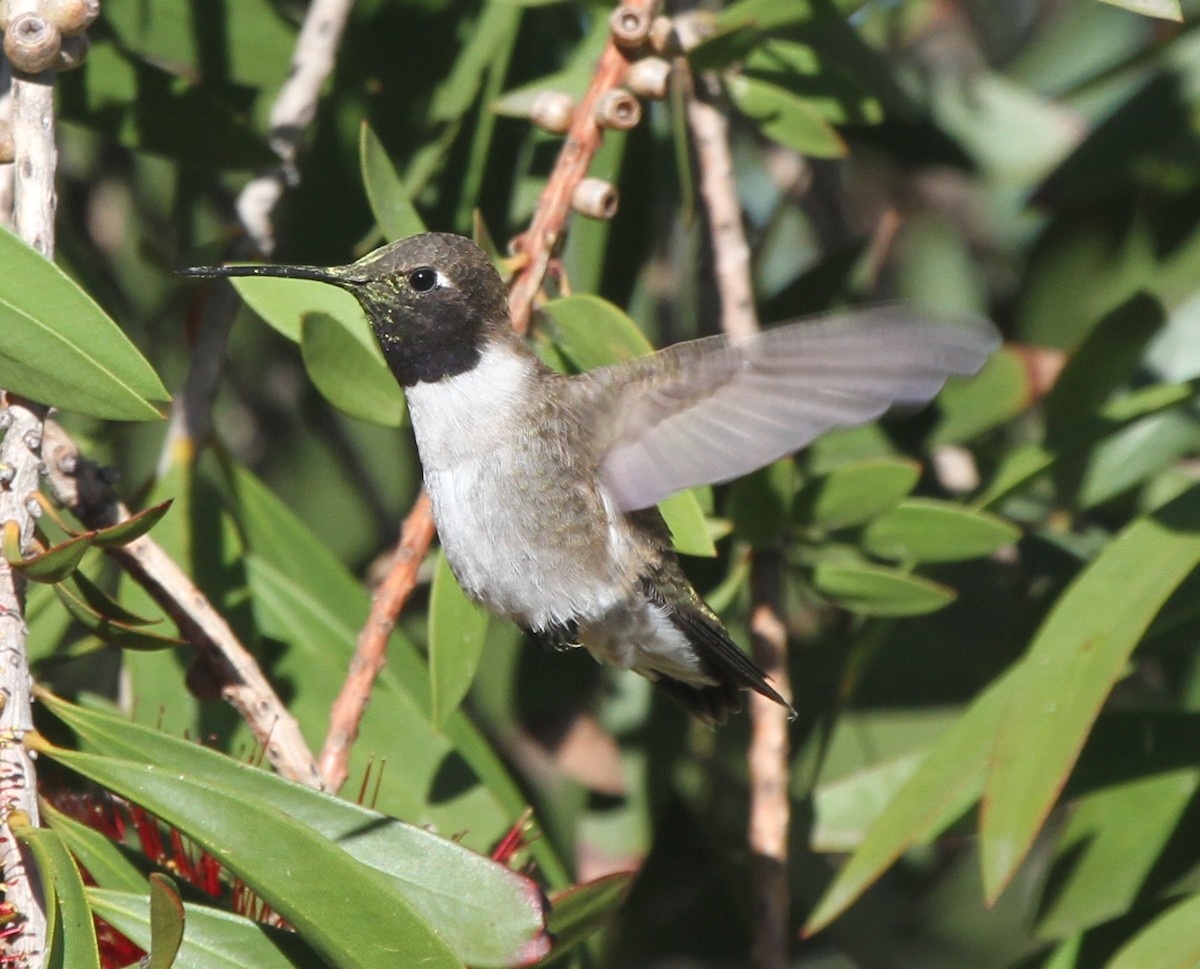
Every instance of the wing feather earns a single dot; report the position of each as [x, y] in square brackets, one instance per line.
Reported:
[711, 410]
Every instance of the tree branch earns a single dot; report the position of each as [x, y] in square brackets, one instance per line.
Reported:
[78, 484]
[35, 163]
[770, 808]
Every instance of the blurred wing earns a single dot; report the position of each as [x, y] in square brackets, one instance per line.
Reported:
[712, 410]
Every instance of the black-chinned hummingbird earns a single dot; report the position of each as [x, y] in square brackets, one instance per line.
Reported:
[544, 485]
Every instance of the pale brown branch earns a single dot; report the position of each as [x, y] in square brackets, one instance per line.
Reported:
[371, 650]
[537, 245]
[78, 485]
[540, 241]
[770, 807]
[35, 165]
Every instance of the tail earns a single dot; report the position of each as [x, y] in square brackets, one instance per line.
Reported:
[722, 661]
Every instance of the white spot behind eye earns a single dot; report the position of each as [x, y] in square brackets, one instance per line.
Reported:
[444, 281]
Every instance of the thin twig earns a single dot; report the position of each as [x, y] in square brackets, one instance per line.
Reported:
[351, 703]
[291, 114]
[770, 809]
[541, 240]
[243, 683]
[78, 484]
[35, 166]
[537, 245]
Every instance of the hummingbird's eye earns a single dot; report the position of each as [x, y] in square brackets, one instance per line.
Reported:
[422, 280]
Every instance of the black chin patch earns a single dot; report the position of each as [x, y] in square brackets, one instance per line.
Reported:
[443, 341]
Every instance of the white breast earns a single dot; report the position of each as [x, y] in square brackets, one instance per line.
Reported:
[469, 432]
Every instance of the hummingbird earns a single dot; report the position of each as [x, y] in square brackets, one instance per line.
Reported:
[544, 486]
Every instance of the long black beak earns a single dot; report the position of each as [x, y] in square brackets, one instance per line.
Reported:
[317, 273]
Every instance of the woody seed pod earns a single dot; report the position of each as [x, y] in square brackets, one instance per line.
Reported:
[74, 52]
[663, 38]
[617, 109]
[552, 111]
[595, 198]
[649, 78]
[71, 16]
[32, 43]
[630, 27]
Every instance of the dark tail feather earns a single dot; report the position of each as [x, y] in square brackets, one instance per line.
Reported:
[723, 662]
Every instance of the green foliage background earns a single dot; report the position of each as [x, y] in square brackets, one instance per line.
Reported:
[996, 761]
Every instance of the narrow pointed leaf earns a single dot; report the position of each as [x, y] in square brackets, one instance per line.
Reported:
[213, 940]
[389, 199]
[578, 912]
[60, 348]
[490, 915]
[457, 628]
[948, 780]
[348, 368]
[367, 925]
[118, 634]
[101, 603]
[102, 859]
[1170, 942]
[284, 303]
[75, 932]
[166, 922]
[784, 117]
[1078, 654]
[56, 563]
[1164, 9]
[874, 590]
[927, 530]
[135, 526]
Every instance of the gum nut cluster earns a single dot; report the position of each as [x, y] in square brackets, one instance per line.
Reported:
[46, 34]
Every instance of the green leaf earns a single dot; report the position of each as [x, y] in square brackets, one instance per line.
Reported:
[100, 603]
[58, 347]
[948, 780]
[690, 531]
[389, 199]
[109, 630]
[350, 371]
[1164, 9]
[103, 860]
[166, 922]
[365, 925]
[592, 332]
[1109, 847]
[1108, 359]
[52, 565]
[998, 393]
[69, 914]
[213, 939]
[845, 809]
[135, 526]
[457, 629]
[578, 912]
[1023, 464]
[785, 118]
[284, 303]
[928, 530]
[488, 914]
[1078, 654]
[856, 493]
[873, 590]
[1171, 940]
